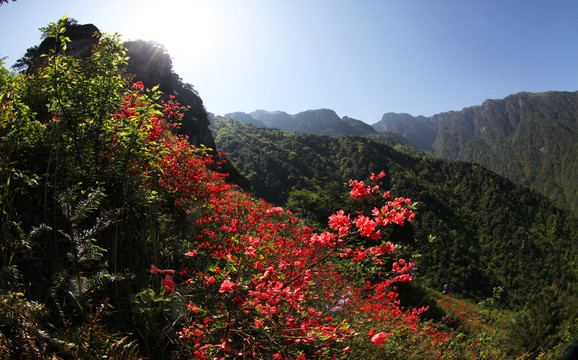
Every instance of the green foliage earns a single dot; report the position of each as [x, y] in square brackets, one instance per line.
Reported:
[544, 323]
[86, 271]
[156, 316]
[25, 333]
[83, 93]
[19, 331]
[398, 142]
[74, 211]
[314, 205]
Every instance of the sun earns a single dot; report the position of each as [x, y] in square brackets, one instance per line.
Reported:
[183, 27]
[208, 41]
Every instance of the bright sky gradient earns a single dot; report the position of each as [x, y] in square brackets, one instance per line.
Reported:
[361, 58]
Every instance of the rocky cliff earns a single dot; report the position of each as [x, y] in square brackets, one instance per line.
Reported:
[532, 138]
[419, 130]
[151, 64]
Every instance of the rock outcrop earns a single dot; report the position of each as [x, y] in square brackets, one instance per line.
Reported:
[148, 62]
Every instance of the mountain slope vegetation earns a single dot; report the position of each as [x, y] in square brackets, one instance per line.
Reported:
[489, 232]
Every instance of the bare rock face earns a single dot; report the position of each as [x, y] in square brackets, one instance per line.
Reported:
[82, 38]
[275, 119]
[152, 65]
[418, 130]
[244, 118]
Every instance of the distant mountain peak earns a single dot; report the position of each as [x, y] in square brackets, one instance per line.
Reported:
[318, 122]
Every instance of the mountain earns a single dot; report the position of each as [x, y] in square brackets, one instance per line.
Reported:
[489, 232]
[318, 122]
[531, 138]
[151, 64]
[148, 62]
[275, 119]
[245, 118]
[419, 131]
[363, 127]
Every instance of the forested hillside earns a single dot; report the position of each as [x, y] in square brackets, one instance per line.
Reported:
[531, 138]
[486, 232]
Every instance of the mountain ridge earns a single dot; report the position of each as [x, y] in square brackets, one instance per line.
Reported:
[531, 138]
[317, 121]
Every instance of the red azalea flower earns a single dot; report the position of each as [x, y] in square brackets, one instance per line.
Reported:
[377, 177]
[169, 284]
[227, 286]
[138, 86]
[378, 339]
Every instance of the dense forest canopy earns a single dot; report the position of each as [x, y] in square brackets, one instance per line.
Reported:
[477, 217]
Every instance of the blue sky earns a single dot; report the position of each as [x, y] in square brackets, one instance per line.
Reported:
[360, 58]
